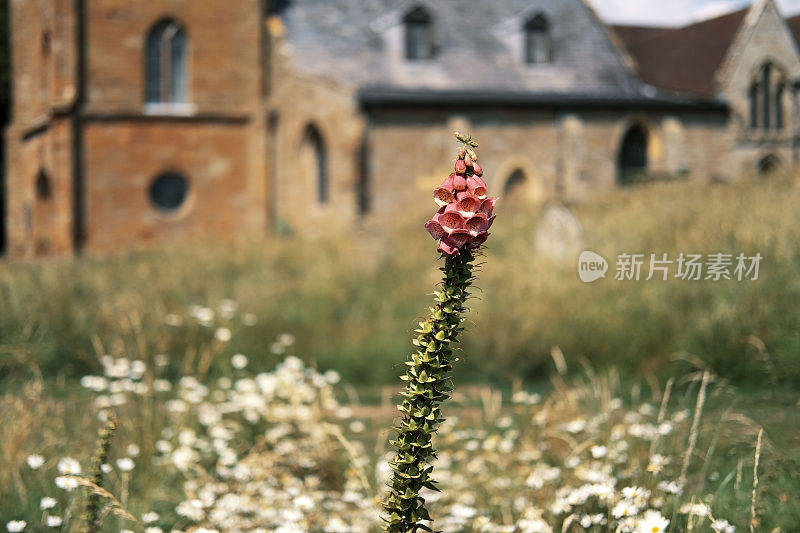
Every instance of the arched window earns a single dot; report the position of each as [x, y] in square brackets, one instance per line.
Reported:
[768, 164]
[419, 34]
[314, 145]
[165, 63]
[766, 97]
[632, 157]
[514, 183]
[43, 188]
[538, 44]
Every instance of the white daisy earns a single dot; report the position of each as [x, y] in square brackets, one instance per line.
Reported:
[35, 461]
[125, 464]
[69, 466]
[16, 525]
[239, 361]
[652, 522]
[47, 503]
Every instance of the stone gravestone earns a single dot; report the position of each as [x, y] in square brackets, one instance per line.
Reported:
[558, 234]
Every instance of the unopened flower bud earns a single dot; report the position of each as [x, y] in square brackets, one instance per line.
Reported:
[461, 166]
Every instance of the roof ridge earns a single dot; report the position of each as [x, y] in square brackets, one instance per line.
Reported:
[685, 26]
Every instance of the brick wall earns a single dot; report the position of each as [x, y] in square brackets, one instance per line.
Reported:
[122, 160]
[218, 144]
[223, 52]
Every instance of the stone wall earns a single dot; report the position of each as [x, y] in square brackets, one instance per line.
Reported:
[764, 38]
[296, 103]
[568, 155]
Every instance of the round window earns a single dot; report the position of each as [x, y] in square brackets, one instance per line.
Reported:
[168, 191]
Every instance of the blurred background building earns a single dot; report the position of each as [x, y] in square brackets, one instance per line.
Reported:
[171, 120]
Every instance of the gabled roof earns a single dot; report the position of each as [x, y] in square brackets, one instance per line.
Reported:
[682, 59]
[478, 44]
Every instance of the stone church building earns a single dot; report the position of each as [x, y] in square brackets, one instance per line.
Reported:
[137, 123]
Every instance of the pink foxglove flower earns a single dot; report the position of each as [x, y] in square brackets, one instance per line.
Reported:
[465, 211]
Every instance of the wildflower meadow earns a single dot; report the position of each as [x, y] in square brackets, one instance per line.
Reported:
[255, 388]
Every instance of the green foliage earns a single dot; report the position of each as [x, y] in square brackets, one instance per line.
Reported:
[428, 385]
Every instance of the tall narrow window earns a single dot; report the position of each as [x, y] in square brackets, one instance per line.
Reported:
[779, 106]
[363, 192]
[165, 63]
[514, 183]
[752, 102]
[766, 98]
[766, 89]
[43, 188]
[315, 147]
[537, 40]
[419, 34]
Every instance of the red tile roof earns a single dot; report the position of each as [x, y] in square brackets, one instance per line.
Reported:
[794, 27]
[682, 59]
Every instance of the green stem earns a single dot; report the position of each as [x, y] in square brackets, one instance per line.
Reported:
[91, 516]
[428, 385]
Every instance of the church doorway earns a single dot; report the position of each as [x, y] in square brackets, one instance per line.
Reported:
[768, 164]
[632, 156]
[514, 184]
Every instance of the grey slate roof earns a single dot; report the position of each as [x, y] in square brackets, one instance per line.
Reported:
[479, 47]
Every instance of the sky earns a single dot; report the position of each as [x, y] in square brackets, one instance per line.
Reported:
[674, 12]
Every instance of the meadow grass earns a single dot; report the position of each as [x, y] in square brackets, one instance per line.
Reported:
[350, 302]
[352, 299]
